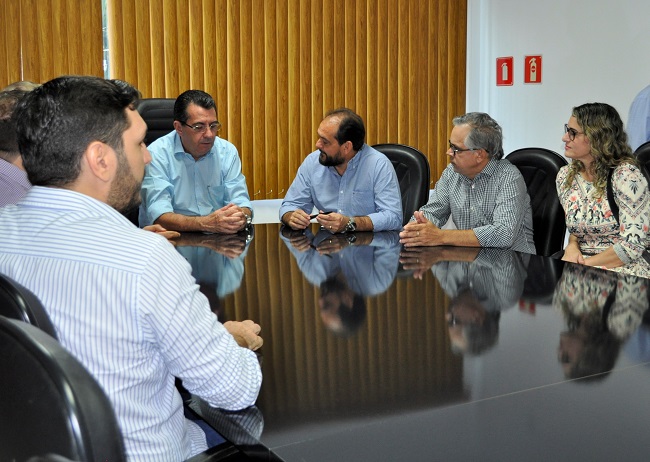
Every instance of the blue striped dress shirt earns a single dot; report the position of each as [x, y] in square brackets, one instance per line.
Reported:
[369, 187]
[125, 304]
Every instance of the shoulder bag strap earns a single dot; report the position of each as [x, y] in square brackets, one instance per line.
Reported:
[610, 194]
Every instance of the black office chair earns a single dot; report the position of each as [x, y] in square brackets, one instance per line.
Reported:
[158, 113]
[17, 302]
[20, 304]
[49, 403]
[412, 169]
[642, 154]
[539, 167]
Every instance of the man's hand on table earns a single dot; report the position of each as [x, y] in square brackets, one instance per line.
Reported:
[296, 220]
[169, 235]
[245, 333]
[227, 220]
[420, 232]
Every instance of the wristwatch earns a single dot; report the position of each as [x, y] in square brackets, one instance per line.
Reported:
[351, 226]
[249, 218]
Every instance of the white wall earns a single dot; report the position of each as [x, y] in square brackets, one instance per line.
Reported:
[592, 50]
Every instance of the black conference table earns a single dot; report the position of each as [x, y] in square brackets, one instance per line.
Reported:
[450, 354]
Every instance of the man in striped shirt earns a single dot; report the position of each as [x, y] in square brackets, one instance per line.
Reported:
[485, 195]
[122, 300]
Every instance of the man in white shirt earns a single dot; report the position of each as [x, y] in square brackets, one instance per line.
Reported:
[122, 300]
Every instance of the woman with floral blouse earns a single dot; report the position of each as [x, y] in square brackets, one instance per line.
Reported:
[595, 141]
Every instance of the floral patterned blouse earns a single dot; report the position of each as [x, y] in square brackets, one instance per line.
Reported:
[590, 219]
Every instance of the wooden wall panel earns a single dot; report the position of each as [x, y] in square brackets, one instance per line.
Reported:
[10, 70]
[275, 67]
[40, 40]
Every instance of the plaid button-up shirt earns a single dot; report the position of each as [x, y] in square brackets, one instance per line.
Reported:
[495, 205]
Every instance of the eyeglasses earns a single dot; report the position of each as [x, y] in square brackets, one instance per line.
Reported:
[200, 128]
[455, 149]
[572, 132]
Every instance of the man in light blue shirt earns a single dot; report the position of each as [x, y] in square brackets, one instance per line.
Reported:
[638, 121]
[194, 181]
[353, 183]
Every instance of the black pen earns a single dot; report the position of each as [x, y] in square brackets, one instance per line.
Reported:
[320, 213]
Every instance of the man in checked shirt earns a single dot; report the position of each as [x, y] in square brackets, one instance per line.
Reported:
[484, 194]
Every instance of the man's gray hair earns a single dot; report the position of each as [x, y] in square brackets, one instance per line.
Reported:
[485, 133]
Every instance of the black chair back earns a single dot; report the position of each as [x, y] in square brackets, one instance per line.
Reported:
[543, 273]
[413, 174]
[158, 113]
[17, 302]
[539, 167]
[49, 403]
[642, 154]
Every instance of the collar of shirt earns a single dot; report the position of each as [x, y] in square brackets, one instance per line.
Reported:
[60, 199]
[487, 171]
[352, 163]
[16, 174]
[179, 151]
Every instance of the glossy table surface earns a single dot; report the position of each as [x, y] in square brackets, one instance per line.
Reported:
[375, 353]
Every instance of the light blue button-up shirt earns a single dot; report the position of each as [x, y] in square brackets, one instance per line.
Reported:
[638, 121]
[175, 182]
[369, 187]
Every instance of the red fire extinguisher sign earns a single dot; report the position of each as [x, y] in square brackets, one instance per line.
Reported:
[505, 70]
[533, 69]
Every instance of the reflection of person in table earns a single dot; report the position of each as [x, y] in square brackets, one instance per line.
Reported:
[602, 310]
[347, 268]
[217, 262]
[480, 283]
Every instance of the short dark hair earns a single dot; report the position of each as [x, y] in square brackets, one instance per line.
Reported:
[198, 97]
[57, 121]
[351, 127]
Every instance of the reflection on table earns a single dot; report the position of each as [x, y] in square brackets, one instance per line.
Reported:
[602, 310]
[481, 283]
[346, 268]
[217, 262]
[380, 392]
